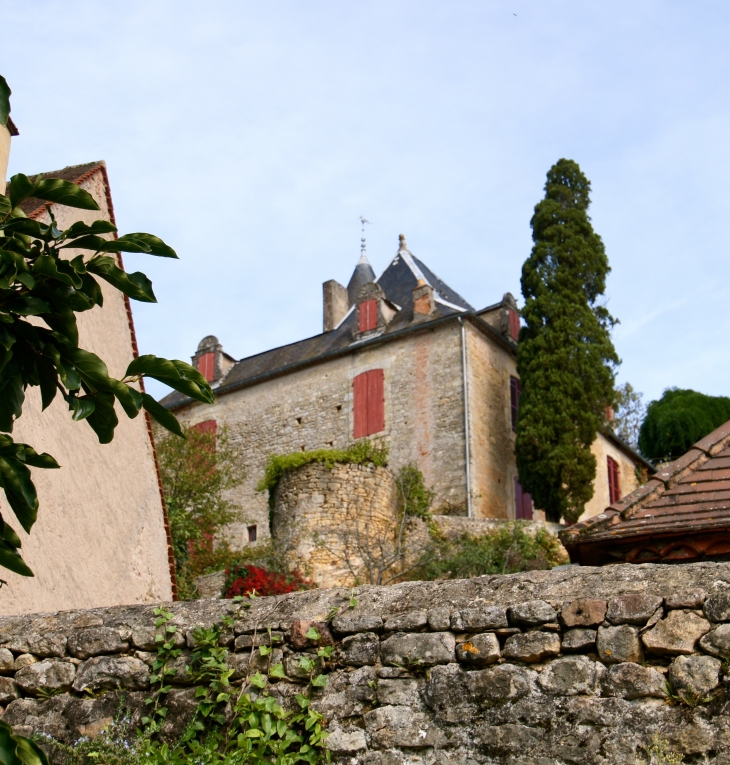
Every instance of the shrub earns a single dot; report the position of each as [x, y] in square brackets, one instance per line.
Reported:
[506, 549]
[243, 580]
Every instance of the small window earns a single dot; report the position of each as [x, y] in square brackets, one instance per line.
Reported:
[514, 324]
[368, 315]
[369, 403]
[206, 366]
[523, 502]
[252, 534]
[515, 389]
[614, 485]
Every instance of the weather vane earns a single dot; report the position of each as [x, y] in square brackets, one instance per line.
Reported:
[363, 221]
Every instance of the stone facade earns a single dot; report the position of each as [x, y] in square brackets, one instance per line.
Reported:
[325, 516]
[581, 665]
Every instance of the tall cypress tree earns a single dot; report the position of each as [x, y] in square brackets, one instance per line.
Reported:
[565, 358]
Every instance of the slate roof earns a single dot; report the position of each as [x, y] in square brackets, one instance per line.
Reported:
[688, 497]
[397, 281]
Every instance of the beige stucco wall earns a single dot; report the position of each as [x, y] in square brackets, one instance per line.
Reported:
[100, 538]
[4, 154]
[602, 448]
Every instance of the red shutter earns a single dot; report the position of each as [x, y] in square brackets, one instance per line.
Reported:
[209, 426]
[369, 403]
[614, 485]
[206, 366]
[376, 401]
[523, 502]
[368, 315]
[360, 405]
[514, 324]
[514, 395]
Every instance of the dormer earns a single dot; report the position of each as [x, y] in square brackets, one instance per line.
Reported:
[211, 360]
[374, 311]
[503, 316]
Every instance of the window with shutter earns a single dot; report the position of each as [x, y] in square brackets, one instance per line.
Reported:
[209, 426]
[252, 533]
[368, 315]
[514, 395]
[514, 324]
[369, 403]
[206, 366]
[614, 485]
[523, 502]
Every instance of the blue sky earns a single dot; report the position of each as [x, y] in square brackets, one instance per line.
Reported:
[251, 136]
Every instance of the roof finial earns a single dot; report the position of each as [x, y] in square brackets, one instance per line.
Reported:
[402, 240]
[363, 256]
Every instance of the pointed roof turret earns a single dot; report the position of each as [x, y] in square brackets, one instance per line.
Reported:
[362, 275]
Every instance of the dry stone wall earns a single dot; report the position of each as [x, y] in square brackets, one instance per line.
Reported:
[578, 665]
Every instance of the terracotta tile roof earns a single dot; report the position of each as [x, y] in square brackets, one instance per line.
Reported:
[75, 173]
[690, 497]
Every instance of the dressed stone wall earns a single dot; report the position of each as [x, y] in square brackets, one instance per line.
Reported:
[324, 517]
[540, 668]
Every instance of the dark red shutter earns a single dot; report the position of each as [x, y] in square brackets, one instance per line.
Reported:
[614, 485]
[514, 395]
[369, 403]
[523, 502]
[514, 324]
[360, 405]
[206, 366]
[376, 401]
[209, 426]
[368, 315]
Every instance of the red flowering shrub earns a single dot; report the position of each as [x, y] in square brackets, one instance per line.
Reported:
[242, 580]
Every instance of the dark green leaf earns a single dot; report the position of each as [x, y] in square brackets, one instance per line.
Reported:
[176, 374]
[18, 750]
[64, 322]
[155, 245]
[89, 366]
[103, 419]
[43, 460]
[10, 559]
[4, 101]
[19, 490]
[12, 396]
[63, 193]
[28, 306]
[136, 285]
[26, 280]
[9, 535]
[164, 416]
[92, 288]
[125, 245]
[45, 265]
[97, 227]
[48, 381]
[19, 188]
[81, 406]
[27, 226]
[129, 397]
[4, 206]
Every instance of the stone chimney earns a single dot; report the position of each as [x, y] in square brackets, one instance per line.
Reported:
[335, 304]
[423, 300]
[211, 360]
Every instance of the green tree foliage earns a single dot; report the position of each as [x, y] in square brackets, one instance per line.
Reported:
[506, 549]
[52, 275]
[198, 474]
[679, 419]
[565, 357]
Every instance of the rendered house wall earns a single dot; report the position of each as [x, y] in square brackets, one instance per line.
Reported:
[100, 537]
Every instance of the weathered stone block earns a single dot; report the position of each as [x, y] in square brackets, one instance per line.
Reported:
[24, 660]
[244, 642]
[346, 742]
[697, 675]
[293, 665]
[350, 622]
[569, 677]
[47, 645]
[717, 642]
[632, 681]
[717, 607]
[298, 634]
[112, 672]
[505, 682]
[677, 634]
[511, 739]
[398, 692]
[406, 649]
[397, 726]
[361, 649]
[632, 608]
[532, 646]
[46, 675]
[480, 649]
[7, 660]
[410, 620]
[531, 614]
[577, 640]
[478, 619]
[143, 637]
[616, 644]
[8, 690]
[583, 612]
[95, 641]
[439, 618]
[686, 599]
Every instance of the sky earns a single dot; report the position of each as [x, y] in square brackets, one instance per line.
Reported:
[251, 136]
